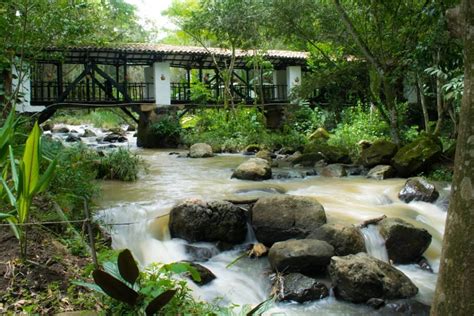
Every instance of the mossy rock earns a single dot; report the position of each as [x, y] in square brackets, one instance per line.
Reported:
[379, 153]
[308, 160]
[417, 156]
[331, 154]
[252, 148]
[319, 134]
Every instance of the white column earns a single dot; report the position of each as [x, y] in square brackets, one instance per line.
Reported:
[279, 79]
[293, 77]
[162, 79]
[24, 90]
[150, 80]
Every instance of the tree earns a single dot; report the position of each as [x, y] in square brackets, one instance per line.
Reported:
[455, 287]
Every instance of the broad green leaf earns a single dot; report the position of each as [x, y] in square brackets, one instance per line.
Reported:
[13, 225]
[159, 302]
[4, 216]
[31, 161]
[114, 288]
[10, 195]
[127, 266]
[13, 168]
[45, 178]
[90, 286]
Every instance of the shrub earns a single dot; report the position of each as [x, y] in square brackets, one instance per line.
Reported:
[121, 164]
[167, 126]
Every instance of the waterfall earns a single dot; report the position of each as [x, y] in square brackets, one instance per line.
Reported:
[374, 243]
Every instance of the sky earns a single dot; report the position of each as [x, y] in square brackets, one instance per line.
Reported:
[150, 10]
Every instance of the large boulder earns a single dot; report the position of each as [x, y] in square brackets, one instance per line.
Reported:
[283, 217]
[346, 240]
[308, 256]
[418, 189]
[265, 154]
[197, 220]
[381, 172]
[200, 150]
[358, 278]
[331, 154]
[404, 242]
[334, 171]
[416, 156]
[379, 153]
[255, 169]
[114, 138]
[308, 159]
[299, 288]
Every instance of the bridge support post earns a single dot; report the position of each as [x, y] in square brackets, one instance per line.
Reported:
[21, 81]
[162, 83]
[148, 135]
[293, 78]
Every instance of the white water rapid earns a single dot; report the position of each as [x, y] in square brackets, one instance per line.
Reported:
[348, 200]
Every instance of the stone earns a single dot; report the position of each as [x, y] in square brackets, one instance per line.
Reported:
[253, 148]
[381, 172]
[309, 159]
[417, 156]
[308, 256]
[206, 275]
[346, 240]
[200, 150]
[265, 154]
[405, 243]
[72, 138]
[61, 129]
[88, 133]
[375, 303]
[319, 135]
[200, 253]
[282, 217]
[116, 130]
[379, 153]
[418, 189]
[114, 138]
[255, 169]
[331, 154]
[334, 171]
[131, 128]
[196, 220]
[299, 288]
[405, 307]
[47, 126]
[358, 278]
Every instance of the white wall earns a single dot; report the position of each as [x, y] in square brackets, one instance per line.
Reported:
[150, 78]
[293, 77]
[24, 91]
[162, 79]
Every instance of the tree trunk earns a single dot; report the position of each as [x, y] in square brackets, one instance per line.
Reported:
[424, 107]
[455, 287]
[390, 102]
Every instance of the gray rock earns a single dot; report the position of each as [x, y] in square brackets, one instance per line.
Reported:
[278, 218]
[381, 172]
[417, 156]
[334, 171]
[404, 242]
[206, 275]
[299, 288]
[200, 150]
[404, 307]
[72, 138]
[114, 138]
[418, 189]
[308, 256]
[62, 130]
[200, 253]
[378, 153]
[197, 220]
[346, 240]
[88, 133]
[265, 154]
[358, 278]
[255, 169]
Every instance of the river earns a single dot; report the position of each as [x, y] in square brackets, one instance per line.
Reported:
[349, 200]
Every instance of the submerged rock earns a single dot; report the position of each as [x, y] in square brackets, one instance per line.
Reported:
[404, 307]
[114, 138]
[308, 256]
[346, 240]
[418, 189]
[200, 150]
[416, 156]
[381, 172]
[404, 242]
[283, 217]
[255, 169]
[88, 133]
[299, 288]
[72, 138]
[358, 278]
[61, 129]
[334, 171]
[378, 153]
[200, 253]
[197, 220]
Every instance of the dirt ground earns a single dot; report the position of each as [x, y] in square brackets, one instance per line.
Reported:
[43, 283]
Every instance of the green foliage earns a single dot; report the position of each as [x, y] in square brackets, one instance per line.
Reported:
[441, 173]
[99, 118]
[305, 119]
[168, 126]
[200, 93]
[24, 183]
[121, 164]
[358, 123]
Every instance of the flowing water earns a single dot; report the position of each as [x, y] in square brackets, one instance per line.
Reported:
[350, 200]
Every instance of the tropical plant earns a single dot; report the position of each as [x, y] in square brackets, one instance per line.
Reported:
[25, 182]
[120, 164]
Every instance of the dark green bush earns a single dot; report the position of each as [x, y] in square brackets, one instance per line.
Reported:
[121, 164]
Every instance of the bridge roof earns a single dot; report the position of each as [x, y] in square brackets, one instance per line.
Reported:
[178, 56]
